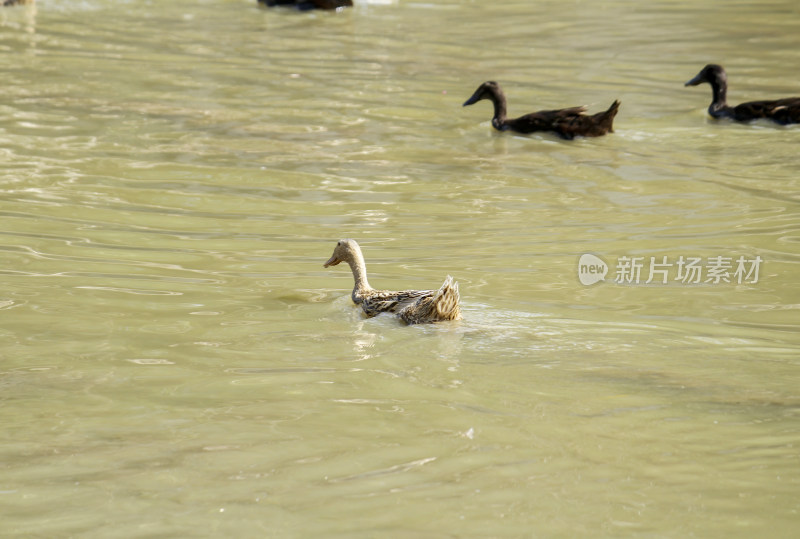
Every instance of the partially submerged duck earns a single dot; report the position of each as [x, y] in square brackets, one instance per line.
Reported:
[411, 306]
[304, 5]
[567, 123]
[783, 111]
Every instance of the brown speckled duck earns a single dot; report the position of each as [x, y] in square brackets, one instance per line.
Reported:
[411, 306]
[783, 111]
[304, 5]
[567, 123]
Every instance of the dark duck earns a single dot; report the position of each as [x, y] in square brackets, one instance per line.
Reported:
[304, 5]
[783, 111]
[567, 123]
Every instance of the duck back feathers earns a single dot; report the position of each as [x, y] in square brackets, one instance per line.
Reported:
[376, 302]
[595, 125]
[782, 111]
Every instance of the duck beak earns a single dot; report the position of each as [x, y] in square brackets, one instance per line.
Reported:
[332, 261]
[469, 101]
[695, 81]
[474, 99]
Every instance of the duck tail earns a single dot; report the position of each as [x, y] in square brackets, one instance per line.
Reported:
[608, 116]
[447, 300]
[438, 306]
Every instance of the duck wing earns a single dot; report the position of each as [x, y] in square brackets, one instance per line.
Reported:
[382, 301]
[783, 111]
[543, 120]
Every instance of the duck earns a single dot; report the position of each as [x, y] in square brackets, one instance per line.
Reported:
[567, 123]
[782, 111]
[304, 5]
[16, 2]
[410, 306]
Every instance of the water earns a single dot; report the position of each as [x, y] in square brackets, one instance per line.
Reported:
[177, 363]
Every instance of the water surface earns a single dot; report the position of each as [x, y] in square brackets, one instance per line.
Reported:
[176, 361]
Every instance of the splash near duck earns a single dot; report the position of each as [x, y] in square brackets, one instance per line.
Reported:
[782, 111]
[567, 123]
[304, 5]
[411, 306]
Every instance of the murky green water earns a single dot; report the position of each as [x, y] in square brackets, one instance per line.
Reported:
[177, 363]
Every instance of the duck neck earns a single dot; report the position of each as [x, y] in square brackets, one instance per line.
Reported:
[499, 102]
[359, 269]
[719, 105]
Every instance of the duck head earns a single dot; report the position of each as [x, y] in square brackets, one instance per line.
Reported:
[491, 90]
[716, 77]
[488, 90]
[343, 252]
[713, 74]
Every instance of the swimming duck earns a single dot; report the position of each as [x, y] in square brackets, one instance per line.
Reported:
[783, 111]
[411, 306]
[567, 123]
[304, 5]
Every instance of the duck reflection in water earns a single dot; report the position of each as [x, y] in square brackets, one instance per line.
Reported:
[782, 111]
[567, 123]
[305, 5]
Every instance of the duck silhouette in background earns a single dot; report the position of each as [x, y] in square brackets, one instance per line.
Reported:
[411, 306]
[305, 5]
[567, 123]
[782, 111]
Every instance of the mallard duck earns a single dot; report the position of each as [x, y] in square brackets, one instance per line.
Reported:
[304, 5]
[783, 111]
[567, 123]
[411, 306]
